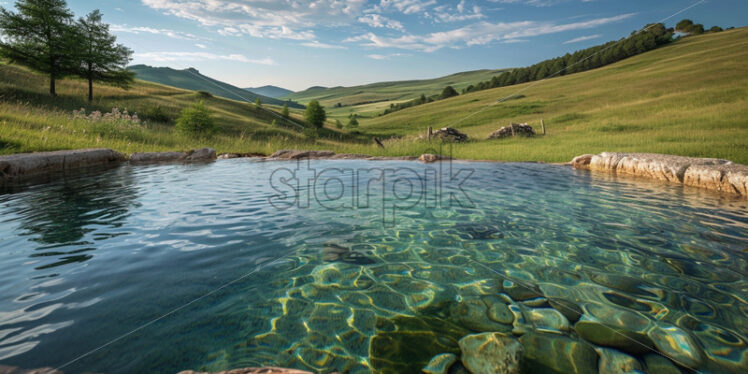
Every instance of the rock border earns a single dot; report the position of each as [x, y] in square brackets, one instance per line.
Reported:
[708, 173]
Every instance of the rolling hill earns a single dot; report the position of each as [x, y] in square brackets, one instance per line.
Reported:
[270, 91]
[688, 98]
[371, 99]
[191, 79]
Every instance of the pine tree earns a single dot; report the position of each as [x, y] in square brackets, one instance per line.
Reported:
[40, 36]
[102, 59]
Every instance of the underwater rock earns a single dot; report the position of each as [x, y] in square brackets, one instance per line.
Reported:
[480, 231]
[523, 291]
[536, 302]
[677, 345]
[570, 310]
[547, 319]
[491, 353]
[655, 363]
[336, 253]
[499, 312]
[552, 353]
[265, 370]
[405, 344]
[440, 364]
[16, 370]
[616, 362]
[609, 327]
[473, 314]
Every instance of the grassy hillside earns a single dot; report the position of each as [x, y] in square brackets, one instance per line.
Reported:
[688, 98]
[372, 99]
[270, 91]
[191, 79]
[31, 120]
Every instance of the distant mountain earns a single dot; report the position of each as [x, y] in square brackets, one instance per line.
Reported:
[270, 91]
[191, 79]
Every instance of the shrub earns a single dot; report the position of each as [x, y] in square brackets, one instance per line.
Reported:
[338, 124]
[196, 120]
[204, 94]
[353, 122]
[156, 113]
[315, 114]
[284, 111]
[448, 92]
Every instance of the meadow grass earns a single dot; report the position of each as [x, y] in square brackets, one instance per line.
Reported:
[688, 98]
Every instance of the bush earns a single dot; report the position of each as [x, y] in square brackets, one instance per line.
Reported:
[338, 124]
[448, 92]
[204, 94]
[315, 114]
[353, 122]
[157, 114]
[196, 120]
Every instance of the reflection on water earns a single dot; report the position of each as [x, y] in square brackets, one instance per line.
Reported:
[544, 253]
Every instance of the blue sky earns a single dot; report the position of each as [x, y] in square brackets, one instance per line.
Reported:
[297, 44]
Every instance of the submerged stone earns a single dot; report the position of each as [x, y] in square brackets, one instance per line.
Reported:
[556, 354]
[678, 345]
[440, 364]
[491, 353]
[521, 291]
[473, 314]
[616, 362]
[570, 310]
[655, 363]
[337, 253]
[499, 312]
[547, 319]
[609, 327]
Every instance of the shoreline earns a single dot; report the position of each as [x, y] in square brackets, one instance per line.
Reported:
[718, 175]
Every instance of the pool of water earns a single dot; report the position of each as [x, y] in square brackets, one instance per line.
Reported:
[216, 266]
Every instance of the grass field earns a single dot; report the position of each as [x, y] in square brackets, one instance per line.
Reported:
[688, 98]
[372, 99]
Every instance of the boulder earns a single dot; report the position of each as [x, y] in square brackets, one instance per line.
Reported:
[428, 158]
[151, 157]
[202, 154]
[655, 363]
[617, 362]
[491, 353]
[290, 154]
[473, 314]
[520, 129]
[440, 364]
[26, 164]
[557, 354]
[450, 134]
[606, 326]
[678, 345]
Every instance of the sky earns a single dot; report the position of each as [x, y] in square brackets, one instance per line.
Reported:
[296, 44]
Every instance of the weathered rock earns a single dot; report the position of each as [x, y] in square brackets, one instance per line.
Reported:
[678, 345]
[499, 312]
[473, 315]
[616, 328]
[149, 157]
[27, 164]
[655, 363]
[570, 310]
[450, 134]
[617, 362]
[552, 353]
[289, 154]
[709, 173]
[202, 154]
[521, 291]
[520, 129]
[547, 320]
[429, 158]
[265, 370]
[440, 364]
[491, 353]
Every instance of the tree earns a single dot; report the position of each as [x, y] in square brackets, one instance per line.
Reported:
[353, 122]
[196, 120]
[258, 102]
[101, 58]
[448, 92]
[715, 29]
[284, 111]
[40, 36]
[338, 124]
[315, 114]
[684, 25]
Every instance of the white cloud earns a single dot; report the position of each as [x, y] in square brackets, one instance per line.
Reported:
[316, 44]
[377, 20]
[406, 6]
[479, 33]
[461, 12]
[582, 38]
[535, 3]
[201, 46]
[150, 30]
[287, 19]
[384, 57]
[199, 56]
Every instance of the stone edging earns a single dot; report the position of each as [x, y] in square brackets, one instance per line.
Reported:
[708, 173]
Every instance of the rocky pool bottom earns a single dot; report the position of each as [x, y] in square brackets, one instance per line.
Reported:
[543, 269]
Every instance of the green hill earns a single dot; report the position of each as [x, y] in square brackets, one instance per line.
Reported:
[688, 98]
[191, 79]
[270, 91]
[371, 99]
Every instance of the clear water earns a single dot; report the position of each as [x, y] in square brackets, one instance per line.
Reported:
[85, 260]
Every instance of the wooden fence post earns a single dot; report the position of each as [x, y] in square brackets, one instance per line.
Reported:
[511, 126]
[430, 132]
[542, 123]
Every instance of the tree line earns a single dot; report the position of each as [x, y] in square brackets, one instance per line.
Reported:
[447, 92]
[44, 36]
[651, 37]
